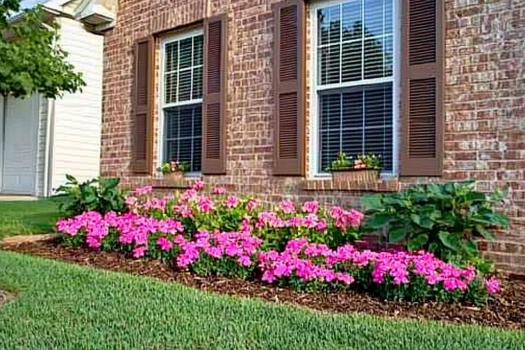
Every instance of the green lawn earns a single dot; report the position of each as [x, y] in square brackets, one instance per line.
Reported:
[61, 306]
[27, 217]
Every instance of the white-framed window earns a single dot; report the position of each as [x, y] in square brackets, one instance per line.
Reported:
[181, 85]
[354, 79]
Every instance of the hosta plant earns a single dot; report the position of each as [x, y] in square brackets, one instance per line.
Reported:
[101, 195]
[445, 219]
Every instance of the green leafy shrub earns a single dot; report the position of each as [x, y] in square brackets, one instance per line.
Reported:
[445, 219]
[101, 195]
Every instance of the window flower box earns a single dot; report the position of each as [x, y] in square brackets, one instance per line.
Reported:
[173, 170]
[365, 168]
[353, 174]
[174, 176]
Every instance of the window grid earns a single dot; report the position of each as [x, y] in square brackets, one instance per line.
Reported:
[182, 138]
[386, 40]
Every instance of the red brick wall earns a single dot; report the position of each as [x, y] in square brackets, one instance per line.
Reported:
[485, 102]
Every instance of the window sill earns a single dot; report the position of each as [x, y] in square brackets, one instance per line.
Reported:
[166, 183]
[327, 184]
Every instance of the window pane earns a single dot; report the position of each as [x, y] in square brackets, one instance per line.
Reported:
[197, 83]
[357, 121]
[329, 20]
[331, 111]
[171, 56]
[388, 56]
[352, 116]
[352, 17]
[374, 17]
[352, 61]
[170, 87]
[329, 64]
[389, 16]
[197, 50]
[186, 49]
[374, 58]
[184, 85]
[183, 133]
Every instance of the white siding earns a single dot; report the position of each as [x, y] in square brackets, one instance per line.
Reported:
[78, 117]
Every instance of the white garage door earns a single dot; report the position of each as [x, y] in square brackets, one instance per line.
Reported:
[20, 146]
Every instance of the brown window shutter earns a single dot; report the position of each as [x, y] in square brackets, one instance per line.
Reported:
[422, 88]
[289, 76]
[214, 96]
[142, 151]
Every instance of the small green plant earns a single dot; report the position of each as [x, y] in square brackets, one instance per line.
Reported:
[101, 195]
[445, 219]
[173, 167]
[363, 161]
[342, 162]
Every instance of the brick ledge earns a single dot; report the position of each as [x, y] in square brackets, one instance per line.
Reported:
[390, 185]
[184, 183]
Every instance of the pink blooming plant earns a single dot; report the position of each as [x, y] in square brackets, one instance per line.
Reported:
[240, 253]
[232, 236]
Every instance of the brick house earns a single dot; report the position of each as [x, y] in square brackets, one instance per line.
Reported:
[260, 95]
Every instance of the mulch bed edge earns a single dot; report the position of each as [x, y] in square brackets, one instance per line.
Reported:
[505, 311]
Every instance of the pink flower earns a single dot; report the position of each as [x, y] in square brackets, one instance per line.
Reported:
[183, 210]
[287, 206]
[144, 190]
[358, 164]
[251, 205]
[492, 285]
[198, 185]
[268, 276]
[244, 261]
[219, 190]
[139, 252]
[232, 201]
[205, 204]
[164, 244]
[311, 207]
[189, 195]
[321, 225]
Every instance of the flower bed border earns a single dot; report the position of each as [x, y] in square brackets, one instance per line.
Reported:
[506, 311]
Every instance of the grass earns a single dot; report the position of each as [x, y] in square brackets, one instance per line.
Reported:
[61, 306]
[27, 217]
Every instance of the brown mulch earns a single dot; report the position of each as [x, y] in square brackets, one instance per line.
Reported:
[506, 311]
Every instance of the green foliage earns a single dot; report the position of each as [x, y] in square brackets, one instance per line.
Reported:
[173, 166]
[363, 161]
[445, 219]
[369, 161]
[101, 195]
[32, 60]
[342, 162]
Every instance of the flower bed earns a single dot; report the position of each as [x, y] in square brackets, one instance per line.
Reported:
[305, 248]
